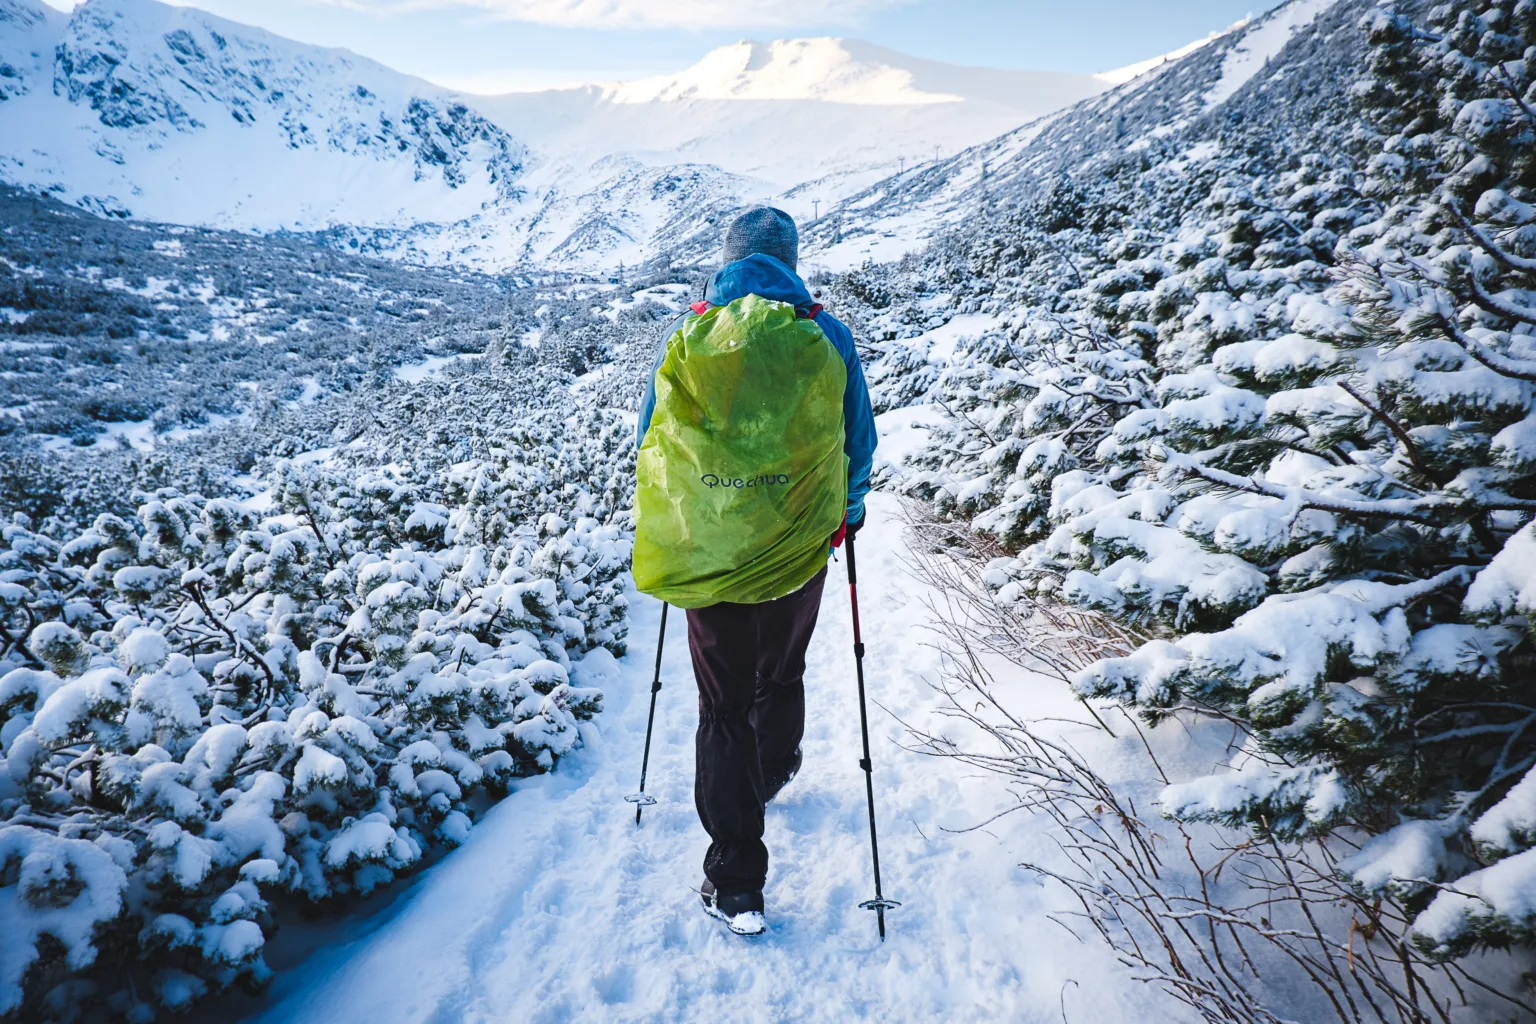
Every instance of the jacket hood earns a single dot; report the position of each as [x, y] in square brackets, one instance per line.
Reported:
[758, 275]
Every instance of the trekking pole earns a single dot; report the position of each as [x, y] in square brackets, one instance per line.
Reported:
[879, 904]
[640, 800]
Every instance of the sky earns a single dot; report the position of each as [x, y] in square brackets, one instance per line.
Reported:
[504, 45]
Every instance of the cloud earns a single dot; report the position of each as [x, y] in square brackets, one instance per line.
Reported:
[656, 14]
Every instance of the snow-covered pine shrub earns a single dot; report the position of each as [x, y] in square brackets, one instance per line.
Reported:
[125, 310]
[1280, 418]
[1344, 511]
[1243, 929]
[1065, 391]
[203, 704]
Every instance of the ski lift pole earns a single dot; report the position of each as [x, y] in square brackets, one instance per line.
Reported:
[640, 799]
[879, 904]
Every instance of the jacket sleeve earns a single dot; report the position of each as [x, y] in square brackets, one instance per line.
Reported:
[648, 405]
[860, 436]
[647, 410]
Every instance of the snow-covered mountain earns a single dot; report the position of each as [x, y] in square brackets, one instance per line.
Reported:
[847, 71]
[1121, 75]
[813, 118]
[1142, 122]
[140, 109]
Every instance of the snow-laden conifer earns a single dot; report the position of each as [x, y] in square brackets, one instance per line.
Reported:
[211, 701]
[1285, 427]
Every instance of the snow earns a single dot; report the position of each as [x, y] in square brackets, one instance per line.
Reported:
[318, 767]
[61, 716]
[179, 77]
[780, 114]
[1508, 585]
[905, 432]
[41, 903]
[1121, 75]
[178, 989]
[246, 826]
[558, 908]
[371, 839]
[1510, 824]
[1507, 891]
[141, 435]
[847, 71]
[415, 373]
[136, 434]
[943, 341]
[786, 69]
[1259, 43]
[169, 697]
[1413, 852]
[232, 943]
[1162, 564]
[1453, 649]
[144, 648]
[1318, 791]
[1221, 410]
[1285, 646]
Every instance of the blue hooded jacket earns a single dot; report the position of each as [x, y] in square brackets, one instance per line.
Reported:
[768, 278]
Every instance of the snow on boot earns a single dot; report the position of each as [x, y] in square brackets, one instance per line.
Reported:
[742, 914]
[780, 775]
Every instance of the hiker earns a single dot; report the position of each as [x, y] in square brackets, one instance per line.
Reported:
[756, 440]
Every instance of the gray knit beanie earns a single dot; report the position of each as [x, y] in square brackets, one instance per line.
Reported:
[765, 230]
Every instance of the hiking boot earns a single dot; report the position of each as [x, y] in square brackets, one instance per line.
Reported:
[742, 914]
[778, 776]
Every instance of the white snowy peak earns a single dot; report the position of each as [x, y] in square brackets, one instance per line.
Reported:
[786, 69]
[835, 70]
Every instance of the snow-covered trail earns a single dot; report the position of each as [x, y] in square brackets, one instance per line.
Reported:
[559, 909]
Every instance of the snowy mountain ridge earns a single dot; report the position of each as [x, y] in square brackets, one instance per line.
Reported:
[820, 69]
[1121, 75]
[1146, 120]
[802, 123]
[837, 70]
[135, 108]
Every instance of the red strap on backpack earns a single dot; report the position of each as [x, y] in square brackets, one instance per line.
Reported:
[700, 308]
[841, 534]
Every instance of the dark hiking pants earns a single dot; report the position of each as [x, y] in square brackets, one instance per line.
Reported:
[749, 661]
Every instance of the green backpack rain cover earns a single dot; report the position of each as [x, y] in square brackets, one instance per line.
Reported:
[741, 479]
